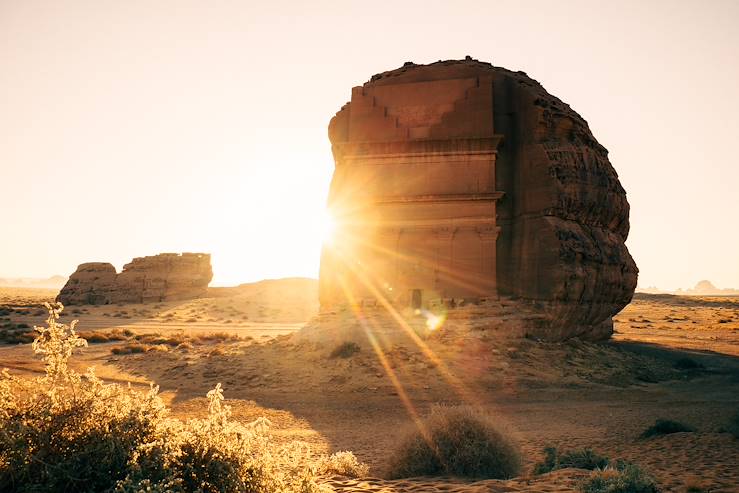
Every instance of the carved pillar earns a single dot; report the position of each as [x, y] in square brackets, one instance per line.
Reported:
[444, 244]
[488, 238]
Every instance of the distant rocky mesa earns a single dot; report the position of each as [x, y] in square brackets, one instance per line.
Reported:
[163, 277]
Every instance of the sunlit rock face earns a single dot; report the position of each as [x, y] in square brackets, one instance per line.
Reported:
[163, 277]
[459, 182]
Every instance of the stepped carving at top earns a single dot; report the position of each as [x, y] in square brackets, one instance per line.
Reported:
[459, 182]
[163, 277]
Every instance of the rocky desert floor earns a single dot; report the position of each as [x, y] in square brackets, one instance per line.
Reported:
[353, 381]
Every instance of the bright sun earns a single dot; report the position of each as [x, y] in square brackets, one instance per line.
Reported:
[327, 226]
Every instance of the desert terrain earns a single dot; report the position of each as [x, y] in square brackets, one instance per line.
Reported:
[354, 381]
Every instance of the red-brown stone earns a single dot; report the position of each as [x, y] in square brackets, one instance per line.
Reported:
[163, 277]
[460, 182]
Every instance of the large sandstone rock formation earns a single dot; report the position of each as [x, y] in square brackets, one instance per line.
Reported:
[461, 182]
[163, 277]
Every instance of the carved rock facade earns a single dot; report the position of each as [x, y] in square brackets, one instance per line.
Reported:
[461, 182]
[163, 277]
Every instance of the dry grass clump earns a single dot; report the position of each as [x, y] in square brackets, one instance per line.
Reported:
[217, 337]
[456, 441]
[131, 348]
[172, 339]
[345, 350]
[579, 459]
[341, 464]
[101, 336]
[621, 478]
[666, 427]
[142, 343]
[14, 334]
[69, 432]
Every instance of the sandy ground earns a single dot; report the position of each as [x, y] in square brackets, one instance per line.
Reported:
[569, 395]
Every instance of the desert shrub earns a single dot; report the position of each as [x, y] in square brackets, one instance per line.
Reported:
[217, 336]
[100, 336]
[216, 352]
[173, 339]
[95, 337]
[345, 350]
[687, 364]
[341, 464]
[666, 427]
[12, 335]
[131, 348]
[579, 459]
[456, 441]
[621, 478]
[67, 432]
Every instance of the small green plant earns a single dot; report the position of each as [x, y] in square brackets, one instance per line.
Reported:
[456, 441]
[666, 427]
[345, 350]
[623, 477]
[579, 459]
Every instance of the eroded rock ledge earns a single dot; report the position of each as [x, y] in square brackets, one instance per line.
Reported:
[163, 277]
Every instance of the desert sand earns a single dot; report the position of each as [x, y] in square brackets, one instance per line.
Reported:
[571, 395]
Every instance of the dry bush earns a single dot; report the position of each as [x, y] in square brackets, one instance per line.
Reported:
[172, 339]
[579, 459]
[218, 337]
[621, 478]
[456, 441]
[345, 350]
[666, 427]
[131, 348]
[341, 464]
[12, 334]
[141, 343]
[67, 432]
[217, 352]
[100, 336]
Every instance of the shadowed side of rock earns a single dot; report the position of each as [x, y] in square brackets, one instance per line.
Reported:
[163, 277]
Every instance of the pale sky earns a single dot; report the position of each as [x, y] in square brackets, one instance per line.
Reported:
[129, 128]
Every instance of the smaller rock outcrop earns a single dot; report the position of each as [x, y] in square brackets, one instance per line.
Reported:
[163, 277]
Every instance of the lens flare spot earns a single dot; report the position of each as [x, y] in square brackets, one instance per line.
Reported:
[434, 322]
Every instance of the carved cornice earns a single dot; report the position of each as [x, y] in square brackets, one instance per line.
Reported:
[440, 198]
[407, 148]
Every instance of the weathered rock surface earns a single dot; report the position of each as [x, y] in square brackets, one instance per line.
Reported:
[480, 186]
[163, 277]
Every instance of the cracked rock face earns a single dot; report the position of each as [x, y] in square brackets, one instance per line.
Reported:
[559, 216]
[163, 277]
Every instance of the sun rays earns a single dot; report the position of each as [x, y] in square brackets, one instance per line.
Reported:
[430, 322]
